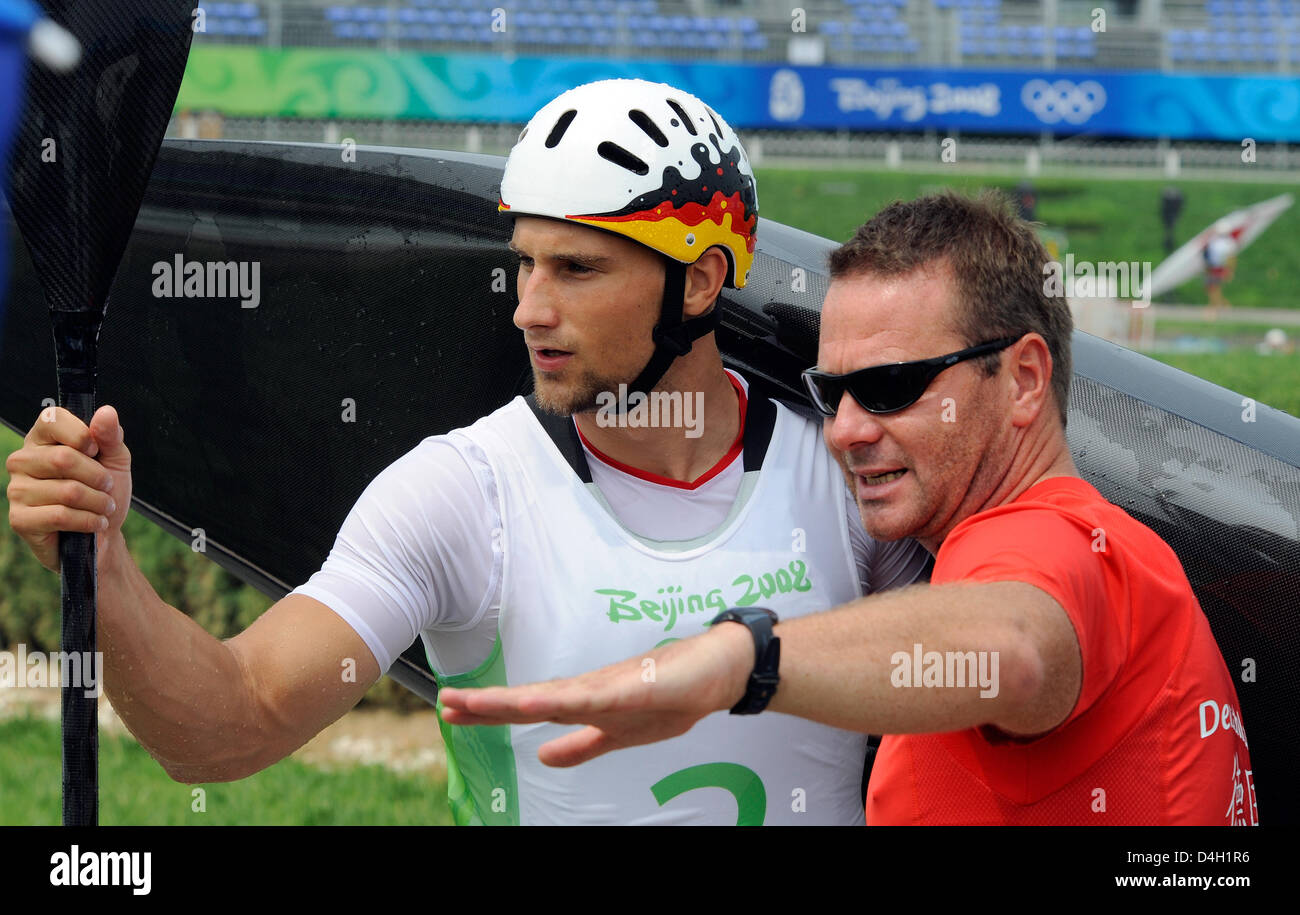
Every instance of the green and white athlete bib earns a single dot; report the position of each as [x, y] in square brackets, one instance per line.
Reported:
[579, 592]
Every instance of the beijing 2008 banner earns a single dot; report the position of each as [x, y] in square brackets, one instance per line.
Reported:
[369, 83]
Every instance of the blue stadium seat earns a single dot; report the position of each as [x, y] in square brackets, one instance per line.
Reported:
[1179, 53]
[832, 27]
[408, 14]
[1015, 32]
[1224, 54]
[1217, 7]
[911, 46]
[1036, 33]
[755, 42]
[345, 30]
[1201, 53]
[1268, 54]
[246, 10]
[338, 13]
[1036, 49]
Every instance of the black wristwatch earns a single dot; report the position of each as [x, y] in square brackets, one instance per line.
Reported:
[764, 678]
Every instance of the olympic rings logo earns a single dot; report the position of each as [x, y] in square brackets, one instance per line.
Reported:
[1063, 100]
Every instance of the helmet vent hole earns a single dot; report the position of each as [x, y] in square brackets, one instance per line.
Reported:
[651, 129]
[620, 156]
[681, 113]
[557, 132]
[714, 118]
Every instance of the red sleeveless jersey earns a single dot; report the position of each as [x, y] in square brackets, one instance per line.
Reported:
[1156, 735]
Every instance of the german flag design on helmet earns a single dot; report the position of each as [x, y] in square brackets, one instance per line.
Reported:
[643, 160]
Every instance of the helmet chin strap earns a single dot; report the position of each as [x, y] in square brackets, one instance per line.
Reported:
[673, 336]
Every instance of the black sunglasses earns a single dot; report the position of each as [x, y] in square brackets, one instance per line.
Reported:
[891, 387]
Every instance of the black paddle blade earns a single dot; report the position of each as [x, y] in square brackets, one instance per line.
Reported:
[87, 142]
[82, 156]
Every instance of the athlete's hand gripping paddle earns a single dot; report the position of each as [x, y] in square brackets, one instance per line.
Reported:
[84, 150]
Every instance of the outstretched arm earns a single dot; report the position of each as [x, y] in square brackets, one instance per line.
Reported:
[840, 668]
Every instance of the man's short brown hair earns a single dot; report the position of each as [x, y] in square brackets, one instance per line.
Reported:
[997, 261]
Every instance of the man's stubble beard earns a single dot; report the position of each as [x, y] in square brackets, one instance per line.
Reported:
[563, 399]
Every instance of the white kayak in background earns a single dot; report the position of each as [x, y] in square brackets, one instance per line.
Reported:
[1242, 226]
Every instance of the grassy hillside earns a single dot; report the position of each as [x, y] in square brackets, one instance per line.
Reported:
[1103, 220]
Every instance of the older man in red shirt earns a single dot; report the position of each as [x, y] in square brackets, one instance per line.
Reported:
[1058, 668]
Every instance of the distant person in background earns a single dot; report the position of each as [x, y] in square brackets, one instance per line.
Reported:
[1220, 260]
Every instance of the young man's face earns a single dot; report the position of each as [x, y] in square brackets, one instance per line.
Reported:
[588, 302]
[951, 445]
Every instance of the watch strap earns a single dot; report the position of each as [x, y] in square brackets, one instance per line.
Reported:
[764, 678]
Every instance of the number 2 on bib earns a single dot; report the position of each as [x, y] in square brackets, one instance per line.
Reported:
[743, 784]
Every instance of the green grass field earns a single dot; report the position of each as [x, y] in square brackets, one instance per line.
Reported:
[135, 791]
[1103, 220]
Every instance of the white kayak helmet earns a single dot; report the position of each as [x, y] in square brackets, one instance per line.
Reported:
[640, 159]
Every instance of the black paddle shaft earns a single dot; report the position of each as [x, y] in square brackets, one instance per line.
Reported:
[85, 147]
